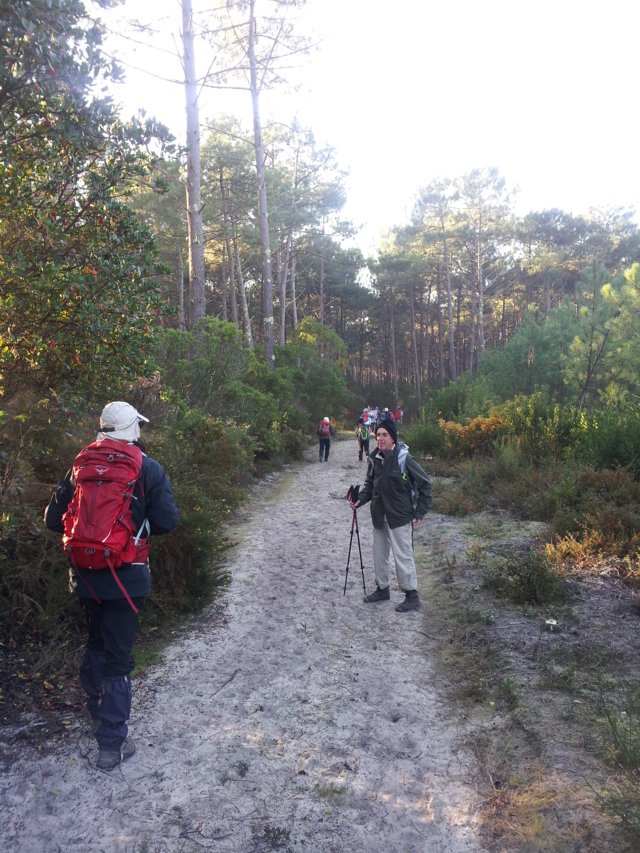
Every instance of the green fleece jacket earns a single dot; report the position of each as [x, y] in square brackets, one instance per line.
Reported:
[390, 489]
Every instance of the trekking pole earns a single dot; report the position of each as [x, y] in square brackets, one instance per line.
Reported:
[353, 494]
[355, 518]
[354, 522]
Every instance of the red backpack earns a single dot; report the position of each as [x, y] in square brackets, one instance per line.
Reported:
[323, 429]
[98, 528]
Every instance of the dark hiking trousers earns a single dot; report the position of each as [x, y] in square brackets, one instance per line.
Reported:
[363, 447]
[325, 444]
[107, 664]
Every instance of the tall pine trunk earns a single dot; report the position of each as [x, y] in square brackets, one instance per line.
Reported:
[394, 365]
[232, 266]
[265, 247]
[447, 273]
[414, 343]
[197, 298]
[179, 273]
[243, 292]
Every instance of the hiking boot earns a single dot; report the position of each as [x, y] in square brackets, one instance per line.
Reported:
[108, 759]
[378, 595]
[411, 601]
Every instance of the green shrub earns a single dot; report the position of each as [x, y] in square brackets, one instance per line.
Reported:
[523, 578]
[620, 725]
[611, 439]
[543, 429]
[601, 508]
[198, 364]
[619, 718]
[426, 436]
[519, 485]
[319, 358]
[210, 465]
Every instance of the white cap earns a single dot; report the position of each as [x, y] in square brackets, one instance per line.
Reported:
[120, 421]
[325, 419]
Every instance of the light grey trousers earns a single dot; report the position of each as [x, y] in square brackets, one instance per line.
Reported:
[399, 541]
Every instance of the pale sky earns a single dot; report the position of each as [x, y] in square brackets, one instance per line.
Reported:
[410, 90]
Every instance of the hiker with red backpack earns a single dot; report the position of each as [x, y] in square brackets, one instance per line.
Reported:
[107, 507]
[325, 433]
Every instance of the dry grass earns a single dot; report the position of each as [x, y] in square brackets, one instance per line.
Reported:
[526, 679]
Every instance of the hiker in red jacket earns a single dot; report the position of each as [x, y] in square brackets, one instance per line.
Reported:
[325, 433]
[112, 600]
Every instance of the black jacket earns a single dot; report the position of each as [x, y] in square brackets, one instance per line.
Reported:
[390, 490]
[154, 501]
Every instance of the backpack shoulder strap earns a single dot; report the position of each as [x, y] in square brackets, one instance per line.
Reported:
[403, 452]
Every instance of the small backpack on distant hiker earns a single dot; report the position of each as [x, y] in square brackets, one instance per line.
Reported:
[98, 527]
[324, 430]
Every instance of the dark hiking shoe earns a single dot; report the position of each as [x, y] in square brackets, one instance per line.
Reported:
[411, 601]
[378, 595]
[108, 759]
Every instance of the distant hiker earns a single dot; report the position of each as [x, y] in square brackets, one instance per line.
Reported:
[400, 494]
[362, 434]
[325, 434]
[387, 414]
[133, 499]
[399, 415]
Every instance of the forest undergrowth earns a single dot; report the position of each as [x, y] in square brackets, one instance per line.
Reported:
[538, 654]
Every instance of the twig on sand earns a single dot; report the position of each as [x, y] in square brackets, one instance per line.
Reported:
[424, 634]
[224, 684]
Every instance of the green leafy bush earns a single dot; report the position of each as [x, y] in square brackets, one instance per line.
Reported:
[199, 364]
[316, 358]
[425, 436]
[540, 428]
[611, 439]
[449, 403]
[525, 578]
[210, 465]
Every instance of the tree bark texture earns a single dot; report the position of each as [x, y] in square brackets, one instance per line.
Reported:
[197, 297]
[265, 247]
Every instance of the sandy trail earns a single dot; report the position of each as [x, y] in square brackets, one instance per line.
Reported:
[293, 717]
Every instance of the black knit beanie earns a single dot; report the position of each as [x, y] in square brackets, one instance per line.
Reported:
[390, 426]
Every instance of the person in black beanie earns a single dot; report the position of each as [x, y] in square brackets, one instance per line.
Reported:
[400, 494]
